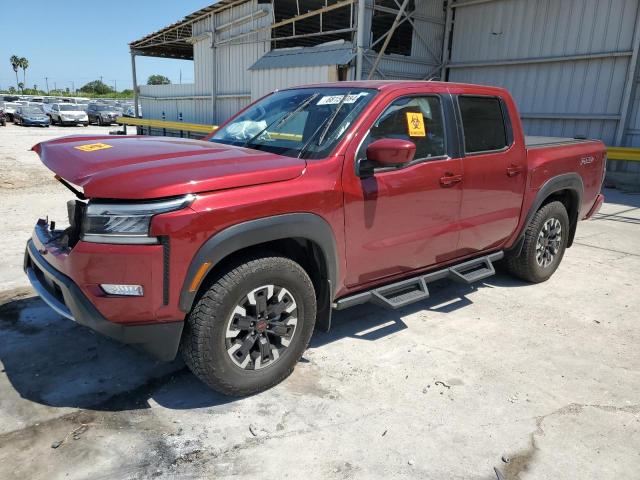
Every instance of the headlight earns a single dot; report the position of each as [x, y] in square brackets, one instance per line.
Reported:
[126, 222]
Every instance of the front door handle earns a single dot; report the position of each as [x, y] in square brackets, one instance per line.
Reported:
[514, 170]
[449, 179]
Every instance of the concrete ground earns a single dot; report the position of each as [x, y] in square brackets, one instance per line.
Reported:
[530, 381]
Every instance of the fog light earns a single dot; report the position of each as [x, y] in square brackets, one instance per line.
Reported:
[128, 290]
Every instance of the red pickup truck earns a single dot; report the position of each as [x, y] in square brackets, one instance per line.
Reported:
[233, 248]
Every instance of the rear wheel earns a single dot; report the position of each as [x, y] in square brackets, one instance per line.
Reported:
[545, 241]
[252, 325]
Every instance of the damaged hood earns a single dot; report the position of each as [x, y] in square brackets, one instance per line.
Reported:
[143, 167]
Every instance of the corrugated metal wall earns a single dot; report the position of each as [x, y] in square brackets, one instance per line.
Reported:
[268, 80]
[175, 102]
[566, 62]
[225, 68]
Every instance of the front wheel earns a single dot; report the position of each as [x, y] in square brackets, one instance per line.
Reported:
[251, 326]
[545, 242]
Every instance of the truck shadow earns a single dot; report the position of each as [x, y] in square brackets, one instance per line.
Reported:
[55, 362]
[370, 322]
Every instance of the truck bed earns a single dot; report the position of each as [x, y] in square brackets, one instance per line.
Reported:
[540, 142]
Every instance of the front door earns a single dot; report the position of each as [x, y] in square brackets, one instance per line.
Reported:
[405, 218]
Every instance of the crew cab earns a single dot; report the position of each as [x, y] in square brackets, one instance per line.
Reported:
[233, 248]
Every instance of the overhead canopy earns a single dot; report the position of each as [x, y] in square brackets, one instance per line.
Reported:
[173, 41]
[334, 53]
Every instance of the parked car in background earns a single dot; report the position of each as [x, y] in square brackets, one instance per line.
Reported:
[102, 114]
[3, 118]
[130, 111]
[29, 115]
[9, 109]
[68, 114]
[48, 102]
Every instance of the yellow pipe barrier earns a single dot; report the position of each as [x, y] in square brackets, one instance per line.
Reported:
[623, 153]
[184, 126]
[613, 153]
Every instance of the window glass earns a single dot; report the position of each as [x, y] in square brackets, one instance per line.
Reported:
[418, 119]
[301, 122]
[482, 123]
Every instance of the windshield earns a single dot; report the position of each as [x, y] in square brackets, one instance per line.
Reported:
[32, 111]
[69, 107]
[302, 122]
[103, 108]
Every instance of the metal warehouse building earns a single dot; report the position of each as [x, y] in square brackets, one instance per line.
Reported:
[570, 64]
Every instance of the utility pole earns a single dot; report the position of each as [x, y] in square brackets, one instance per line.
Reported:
[180, 76]
[115, 86]
[73, 86]
[46, 79]
[100, 78]
[55, 87]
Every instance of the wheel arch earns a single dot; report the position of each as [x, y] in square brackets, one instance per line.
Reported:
[567, 188]
[304, 237]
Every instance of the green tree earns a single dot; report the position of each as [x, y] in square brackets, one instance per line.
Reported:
[158, 80]
[96, 87]
[15, 64]
[24, 64]
[21, 87]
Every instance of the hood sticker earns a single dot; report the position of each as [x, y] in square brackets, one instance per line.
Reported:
[92, 147]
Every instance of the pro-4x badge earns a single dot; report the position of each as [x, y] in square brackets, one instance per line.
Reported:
[92, 147]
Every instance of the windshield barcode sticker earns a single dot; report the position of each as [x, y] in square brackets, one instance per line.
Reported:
[335, 99]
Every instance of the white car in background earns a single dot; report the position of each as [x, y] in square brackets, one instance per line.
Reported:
[48, 103]
[68, 114]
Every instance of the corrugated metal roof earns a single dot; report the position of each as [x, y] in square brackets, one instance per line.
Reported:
[339, 53]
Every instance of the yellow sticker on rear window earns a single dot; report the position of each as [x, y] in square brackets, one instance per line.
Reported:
[415, 124]
[92, 147]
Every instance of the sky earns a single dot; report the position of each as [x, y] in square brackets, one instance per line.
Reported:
[77, 41]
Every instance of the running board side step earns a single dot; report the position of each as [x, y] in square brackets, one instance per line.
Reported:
[398, 294]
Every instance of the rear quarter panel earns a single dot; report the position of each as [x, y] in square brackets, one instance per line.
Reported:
[584, 158]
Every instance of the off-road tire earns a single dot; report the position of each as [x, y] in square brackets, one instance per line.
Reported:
[203, 342]
[525, 265]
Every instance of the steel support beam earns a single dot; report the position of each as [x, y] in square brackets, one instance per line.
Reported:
[446, 53]
[135, 84]
[360, 38]
[532, 60]
[629, 86]
[571, 116]
[395, 24]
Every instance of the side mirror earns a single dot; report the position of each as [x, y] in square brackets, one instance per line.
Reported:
[389, 152]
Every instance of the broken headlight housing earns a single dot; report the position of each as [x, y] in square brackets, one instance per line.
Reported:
[127, 223]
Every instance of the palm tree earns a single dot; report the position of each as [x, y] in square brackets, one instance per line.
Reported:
[24, 64]
[15, 64]
[21, 87]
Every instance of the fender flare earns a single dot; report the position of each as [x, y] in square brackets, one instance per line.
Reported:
[566, 181]
[308, 226]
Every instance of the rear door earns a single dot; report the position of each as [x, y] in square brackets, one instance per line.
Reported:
[405, 218]
[494, 173]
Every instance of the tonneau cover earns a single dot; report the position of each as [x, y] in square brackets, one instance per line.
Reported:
[539, 142]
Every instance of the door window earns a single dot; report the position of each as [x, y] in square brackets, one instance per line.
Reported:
[483, 124]
[417, 119]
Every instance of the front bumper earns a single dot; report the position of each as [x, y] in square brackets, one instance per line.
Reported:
[75, 121]
[35, 123]
[65, 297]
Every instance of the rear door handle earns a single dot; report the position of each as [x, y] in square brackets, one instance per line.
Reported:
[450, 179]
[514, 170]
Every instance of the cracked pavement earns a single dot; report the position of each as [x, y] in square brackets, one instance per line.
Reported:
[535, 381]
